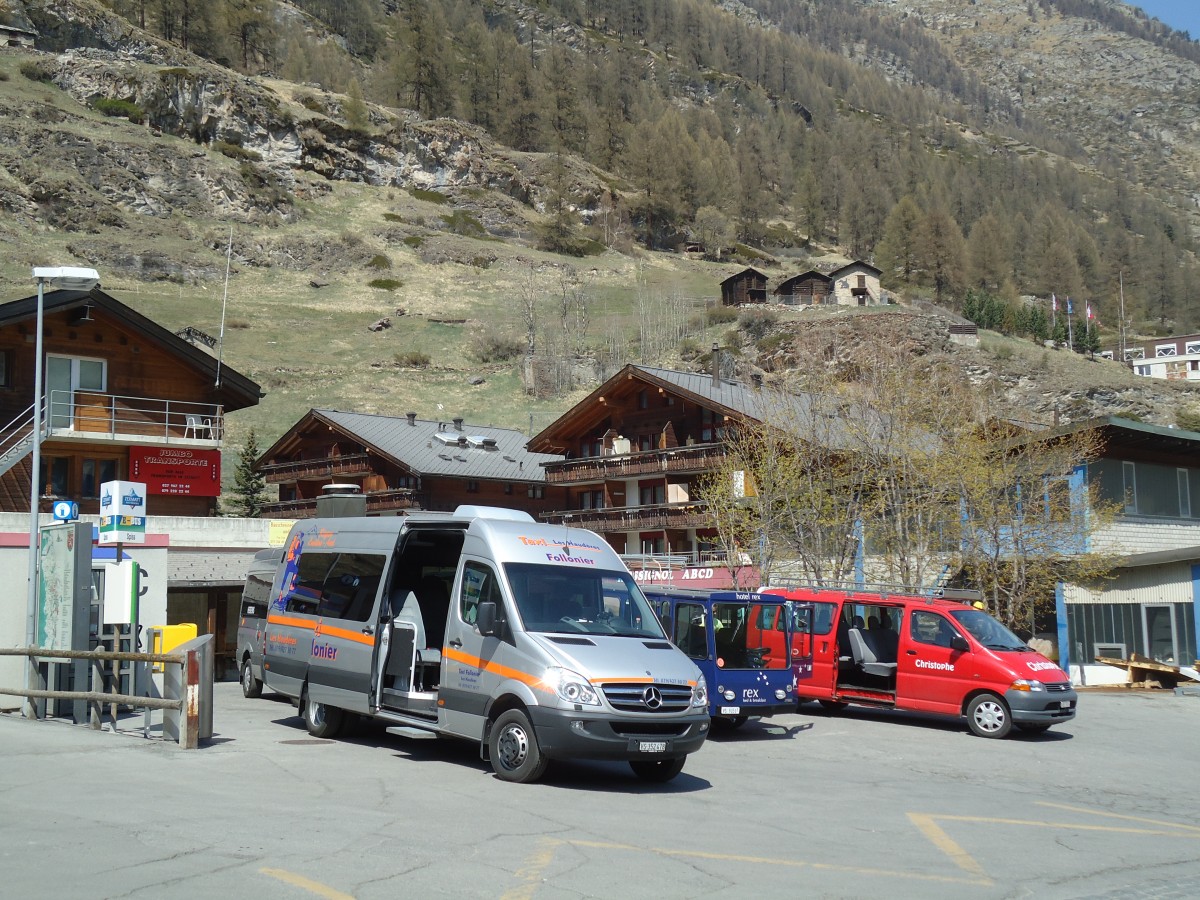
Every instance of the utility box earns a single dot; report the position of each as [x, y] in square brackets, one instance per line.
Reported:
[165, 638]
[120, 592]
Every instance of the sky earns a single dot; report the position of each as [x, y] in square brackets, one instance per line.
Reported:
[1182, 15]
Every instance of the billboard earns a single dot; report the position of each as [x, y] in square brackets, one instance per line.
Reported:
[177, 471]
[122, 512]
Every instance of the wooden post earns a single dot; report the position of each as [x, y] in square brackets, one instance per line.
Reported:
[96, 709]
[189, 737]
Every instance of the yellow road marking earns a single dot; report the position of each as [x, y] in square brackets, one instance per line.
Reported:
[531, 873]
[790, 863]
[928, 825]
[1070, 826]
[961, 858]
[315, 887]
[1112, 815]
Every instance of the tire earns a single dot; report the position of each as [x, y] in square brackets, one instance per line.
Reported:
[657, 770]
[1033, 728]
[251, 686]
[832, 706]
[514, 750]
[988, 716]
[321, 721]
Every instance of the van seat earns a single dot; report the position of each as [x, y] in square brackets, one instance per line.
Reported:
[865, 657]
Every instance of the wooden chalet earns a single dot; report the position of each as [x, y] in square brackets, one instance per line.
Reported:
[634, 452]
[124, 399]
[405, 463]
[747, 286]
[807, 289]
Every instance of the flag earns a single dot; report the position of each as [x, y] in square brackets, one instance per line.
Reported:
[1070, 309]
[1053, 303]
[1089, 310]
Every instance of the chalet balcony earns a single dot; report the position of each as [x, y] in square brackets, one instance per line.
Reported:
[377, 503]
[91, 416]
[350, 465]
[696, 458]
[634, 518]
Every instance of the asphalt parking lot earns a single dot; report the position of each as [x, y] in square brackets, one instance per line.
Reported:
[862, 803]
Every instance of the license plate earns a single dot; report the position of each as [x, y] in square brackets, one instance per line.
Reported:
[730, 710]
[652, 746]
[1065, 704]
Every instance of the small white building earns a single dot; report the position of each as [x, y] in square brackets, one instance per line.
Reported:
[856, 284]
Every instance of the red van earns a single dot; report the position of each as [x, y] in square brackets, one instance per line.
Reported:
[928, 655]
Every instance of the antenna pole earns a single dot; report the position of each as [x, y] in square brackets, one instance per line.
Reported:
[224, 301]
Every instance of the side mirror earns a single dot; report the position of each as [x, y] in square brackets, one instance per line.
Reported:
[958, 642]
[485, 618]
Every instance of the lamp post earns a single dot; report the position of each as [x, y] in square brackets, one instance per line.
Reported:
[59, 278]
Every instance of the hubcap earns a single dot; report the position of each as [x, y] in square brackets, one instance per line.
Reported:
[247, 677]
[513, 746]
[316, 713]
[989, 716]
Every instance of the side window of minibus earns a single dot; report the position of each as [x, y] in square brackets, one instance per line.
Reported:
[930, 628]
[478, 585]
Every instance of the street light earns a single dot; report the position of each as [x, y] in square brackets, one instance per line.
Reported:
[59, 278]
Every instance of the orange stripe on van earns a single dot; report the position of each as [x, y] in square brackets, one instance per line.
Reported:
[345, 634]
[307, 624]
[495, 668]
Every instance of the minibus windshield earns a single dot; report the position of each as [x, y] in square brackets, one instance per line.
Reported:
[987, 630]
[562, 600]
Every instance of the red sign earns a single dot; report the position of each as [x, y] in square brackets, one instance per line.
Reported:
[176, 471]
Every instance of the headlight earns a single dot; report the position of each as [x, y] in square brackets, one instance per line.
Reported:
[781, 694]
[700, 694]
[571, 687]
[729, 695]
[1024, 684]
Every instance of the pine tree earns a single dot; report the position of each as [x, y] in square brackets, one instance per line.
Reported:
[249, 487]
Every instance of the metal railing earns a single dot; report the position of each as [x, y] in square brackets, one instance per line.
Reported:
[185, 725]
[97, 414]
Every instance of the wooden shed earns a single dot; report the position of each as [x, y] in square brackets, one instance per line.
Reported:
[747, 286]
[807, 289]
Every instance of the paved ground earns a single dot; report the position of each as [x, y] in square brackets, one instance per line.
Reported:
[859, 804]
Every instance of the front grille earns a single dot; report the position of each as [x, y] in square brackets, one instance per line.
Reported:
[672, 698]
[1059, 686]
[647, 729]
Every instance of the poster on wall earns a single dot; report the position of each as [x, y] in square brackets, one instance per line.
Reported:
[177, 471]
[56, 587]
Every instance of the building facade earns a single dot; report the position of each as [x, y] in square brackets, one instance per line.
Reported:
[405, 463]
[1172, 358]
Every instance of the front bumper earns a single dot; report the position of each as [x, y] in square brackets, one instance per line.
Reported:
[569, 734]
[1041, 707]
[759, 710]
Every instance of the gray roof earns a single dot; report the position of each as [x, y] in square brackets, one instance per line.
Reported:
[419, 447]
[814, 417]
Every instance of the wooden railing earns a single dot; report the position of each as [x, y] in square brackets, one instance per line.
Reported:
[631, 518]
[348, 465]
[378, 501]
[185, 706]
[696, 458]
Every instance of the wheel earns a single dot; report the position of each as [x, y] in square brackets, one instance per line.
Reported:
[1032, 728]
[832, 705]
[514, 750]
[251, 686]
[321, 721]
[658, 770]
[988, 716]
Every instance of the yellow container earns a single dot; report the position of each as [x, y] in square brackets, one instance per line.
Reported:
[165, 638]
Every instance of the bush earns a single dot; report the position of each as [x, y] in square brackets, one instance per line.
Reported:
[412, 359]
[385, 284]
[35, 71]
[414, 241]
[1188, 419]
[495, 346]
[428, 196]
[379, 261]
[463, 223]
[118, 109]
[3, 76]
[756, 324]
[393, 217]
[721, 315]
[235, 151]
